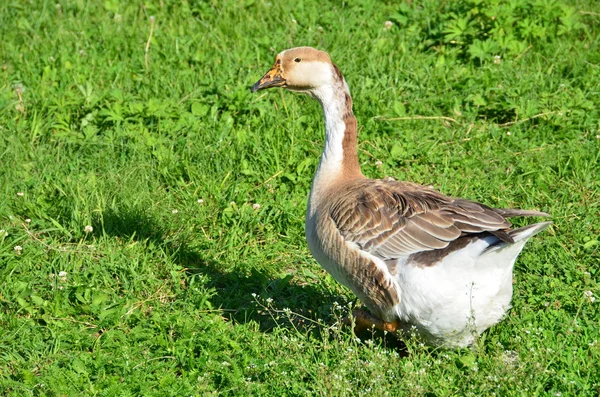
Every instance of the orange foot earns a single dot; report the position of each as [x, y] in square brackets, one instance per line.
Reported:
[363, 320]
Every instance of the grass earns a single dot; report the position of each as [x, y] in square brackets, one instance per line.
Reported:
[105, 124]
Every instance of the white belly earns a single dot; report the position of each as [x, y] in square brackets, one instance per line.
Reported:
[452, 302]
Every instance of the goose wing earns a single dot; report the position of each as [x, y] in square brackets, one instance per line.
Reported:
[392, 219]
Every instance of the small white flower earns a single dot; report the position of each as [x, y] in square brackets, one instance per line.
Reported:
[597, 136]
[20, 194]
[232, 203]
[254, 294]
[118, 18]
[174, 211]
[256, 206]
[294, 21]
[62, 274]
[388, 25]
[590, 296]
[269, 300]
[225, 364]
[379, 163]
[200, 201]
[18, 249]
[508, 133]
[27, 220]
[497, 59]
[88, 229]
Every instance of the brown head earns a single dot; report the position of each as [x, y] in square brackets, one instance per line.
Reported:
[299, 69]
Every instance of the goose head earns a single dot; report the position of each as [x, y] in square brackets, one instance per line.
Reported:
[301, 69]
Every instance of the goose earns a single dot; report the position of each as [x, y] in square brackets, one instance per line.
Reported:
[420, 261]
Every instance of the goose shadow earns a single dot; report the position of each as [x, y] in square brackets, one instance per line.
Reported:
[242, 296]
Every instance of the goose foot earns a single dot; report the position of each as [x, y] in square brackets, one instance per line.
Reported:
[363, 320]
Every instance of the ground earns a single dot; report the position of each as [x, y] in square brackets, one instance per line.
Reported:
[152, 208]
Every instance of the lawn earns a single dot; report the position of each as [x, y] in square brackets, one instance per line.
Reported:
[152, 208]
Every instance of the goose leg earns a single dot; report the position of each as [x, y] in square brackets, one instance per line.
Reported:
[363, 320]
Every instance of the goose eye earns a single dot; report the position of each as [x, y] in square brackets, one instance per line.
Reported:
[297, 60]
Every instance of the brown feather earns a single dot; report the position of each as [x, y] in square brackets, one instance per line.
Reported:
[392, 219]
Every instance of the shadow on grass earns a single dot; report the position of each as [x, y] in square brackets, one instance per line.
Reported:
[235, 289]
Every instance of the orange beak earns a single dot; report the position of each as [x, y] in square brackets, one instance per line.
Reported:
[273, 78]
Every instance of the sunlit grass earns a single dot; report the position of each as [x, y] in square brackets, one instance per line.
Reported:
[152, 208]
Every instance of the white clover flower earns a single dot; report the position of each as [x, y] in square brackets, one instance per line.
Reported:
[88, 229]
[27, 220]
[20, 194]
[497, 59]
[379, 163]
[590, 296]
[388, 25]
[18, 249]
[62, 274]
[174, 211]
[200, 201]
[508, 133]
[256, 206]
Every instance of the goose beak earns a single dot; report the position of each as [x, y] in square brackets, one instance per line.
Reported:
[273, 78]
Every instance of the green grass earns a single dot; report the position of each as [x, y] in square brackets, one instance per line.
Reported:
[158, 298]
